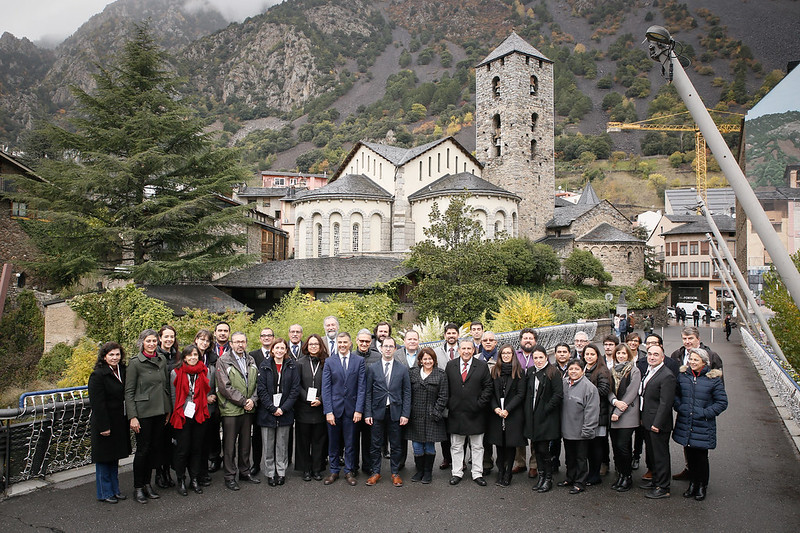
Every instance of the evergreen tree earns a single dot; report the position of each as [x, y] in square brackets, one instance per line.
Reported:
[136, 183]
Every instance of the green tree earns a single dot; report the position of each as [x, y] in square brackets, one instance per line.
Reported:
[21, 340]
[582, 265]
[136, 181]
[527, 262]
[458, 278]
[785, 324]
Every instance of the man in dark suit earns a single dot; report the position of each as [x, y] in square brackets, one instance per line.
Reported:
[343, 396]
[470, 387]
[266, 337]
[387, 409]
[363, 439]
[657, 392]
[296, 341]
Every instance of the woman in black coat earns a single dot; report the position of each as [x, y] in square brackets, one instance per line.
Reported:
[544, 393]
[429, 391]
[311, 434]
[597, 372]
[506, 423]
[111, 437]
[168, 349]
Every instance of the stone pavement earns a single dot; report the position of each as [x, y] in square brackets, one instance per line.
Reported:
[754, 487]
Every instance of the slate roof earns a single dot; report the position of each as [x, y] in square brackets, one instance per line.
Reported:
[684, 201]
[606, 233]
[207, 297]
[725, 224]
[333, 273]
[561, 202]
[778, 193]
[564, 216]
[513, 43]
[348, 186]
[588, 196]
[270, 192]
[400, 156]
[457, 183]
[554, 240]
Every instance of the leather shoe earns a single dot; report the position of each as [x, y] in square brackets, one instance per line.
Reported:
[121, 497]
[576, 489]
[250, 479]
[701, 493]
[455, 480]
[565, 483]
[111, 499]
[306, 476]
[271, 481]
[330, 478]
[517, 469]
[317, 476]
[682, 476]
[204, 481]
[138, 496]
[647, 485]
[281, 480]
[351, 479]
[691, 491]
[232, 485]
[214, 465]
[657, 493]
[150, 493]
[480, 481]
[647, 475]
[374, 478]
[445, 465]
[255, 470]
[532, 473]
[397, 481]
[635, 463]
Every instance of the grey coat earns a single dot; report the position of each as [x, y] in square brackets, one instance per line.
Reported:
[147, 387]
[630, 395]
[580, 411]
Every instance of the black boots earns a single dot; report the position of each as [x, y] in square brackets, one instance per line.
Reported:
[700, 494]
[427, 474]
[139, 496]
[691, 491]
[196, 486]
[419, 461]
[547, 484]
[615, 486]
[181, 488]
[625, 484]
[163, 477]
[150, 493]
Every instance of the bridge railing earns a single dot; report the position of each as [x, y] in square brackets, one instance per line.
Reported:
[49, 432]
[779, 378]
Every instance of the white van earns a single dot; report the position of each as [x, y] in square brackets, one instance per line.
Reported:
[689, 307]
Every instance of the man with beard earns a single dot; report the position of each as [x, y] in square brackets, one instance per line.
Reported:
[488, 351]
[266, 337]
[581, 341]
[382, 330]
[444, 353]
[363, 432]
[527, 340]
[331, 326]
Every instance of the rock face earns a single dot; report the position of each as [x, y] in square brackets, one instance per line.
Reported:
[23, 66]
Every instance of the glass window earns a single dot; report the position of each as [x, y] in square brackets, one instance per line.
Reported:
[684, 269]
[694, 269]
[694, 248]
[704, 269]
[356, 236]
[684, 248]
[336, 232]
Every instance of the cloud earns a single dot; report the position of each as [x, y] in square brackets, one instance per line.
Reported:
[233, 11]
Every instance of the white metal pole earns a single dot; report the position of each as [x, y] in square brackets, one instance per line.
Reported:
[730, 286]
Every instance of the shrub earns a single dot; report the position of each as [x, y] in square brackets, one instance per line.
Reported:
[21, 340]
[81, 363]
[593, 308]
[53, 363]
[520, 309]
[566, 295]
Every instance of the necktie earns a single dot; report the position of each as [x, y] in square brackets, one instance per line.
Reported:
[464, 373]
[451, 353]
[386, 374]
[294, 350]
[333, 346]
[344, 363]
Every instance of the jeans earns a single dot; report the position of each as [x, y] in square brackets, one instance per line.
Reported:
[107, 479]
[423, 448]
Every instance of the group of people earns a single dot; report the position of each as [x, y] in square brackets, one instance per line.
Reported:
[334, 405]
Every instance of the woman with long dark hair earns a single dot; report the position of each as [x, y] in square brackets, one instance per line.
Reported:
[311, 434]
[624, 397]
[543, 398]
[168, 349]
[505, 428]
[426, 426]
[148, 406]
[212, 447]
[192, 391]
[597, 372]
[111, 437]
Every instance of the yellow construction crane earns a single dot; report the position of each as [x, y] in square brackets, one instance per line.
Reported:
[699, 141]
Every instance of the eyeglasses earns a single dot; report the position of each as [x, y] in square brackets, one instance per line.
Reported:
[652, 343]
[363, 341]
[267, 334]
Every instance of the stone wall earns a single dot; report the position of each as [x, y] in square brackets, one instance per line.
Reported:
[625, 262]
[15, 245]
[523, 163]
[61, 324]
[602, 212]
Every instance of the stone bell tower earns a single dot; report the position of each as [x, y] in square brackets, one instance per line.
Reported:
[514, 128]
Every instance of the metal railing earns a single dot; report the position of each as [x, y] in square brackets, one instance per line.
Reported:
[772, 370]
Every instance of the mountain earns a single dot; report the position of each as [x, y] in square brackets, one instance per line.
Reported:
[295, 86]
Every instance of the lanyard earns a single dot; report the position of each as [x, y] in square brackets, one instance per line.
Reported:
[314, 370]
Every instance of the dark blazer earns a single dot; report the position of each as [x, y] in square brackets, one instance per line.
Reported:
[304, 413]
[344, 394]
[258, 356]
[469, 400]
[428, 404]
[601, 379]
[398, 392]
[713, 357]
[515, 422]
[673, 365]
[543, 422]
[107, 398]
[658, 397]
[289, 389]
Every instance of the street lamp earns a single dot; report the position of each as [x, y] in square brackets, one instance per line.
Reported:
[662, 49]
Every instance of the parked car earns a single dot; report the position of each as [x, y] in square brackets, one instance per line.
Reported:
[689, 307]
[671, 312]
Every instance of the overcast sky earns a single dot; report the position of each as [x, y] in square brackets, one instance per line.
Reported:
[55, 20]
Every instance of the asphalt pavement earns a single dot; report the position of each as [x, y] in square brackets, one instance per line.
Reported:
[753, 487]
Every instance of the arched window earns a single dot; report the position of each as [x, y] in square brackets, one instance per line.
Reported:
[496, 140]
[336, 235]
[534, 120]
[534, 84]
[533, 147]
[318, 229]
[496, 86]
[356, 236]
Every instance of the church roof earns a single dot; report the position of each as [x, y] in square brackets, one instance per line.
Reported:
[332, 273]
[607, 233]
[348, 186]
[258, 192]
[564, 216]
[588, 196]
[720, 200]
[778, 193]
[194, 296]
[513, 43]
[450, 184]
[700, 225]
[561, 202]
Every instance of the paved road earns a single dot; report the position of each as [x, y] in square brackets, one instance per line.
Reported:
[754, 487]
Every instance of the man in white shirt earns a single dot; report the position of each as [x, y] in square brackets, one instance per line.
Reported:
[331, 326]
[296, 341]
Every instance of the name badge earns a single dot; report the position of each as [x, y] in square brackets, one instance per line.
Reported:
[188, 409]
[312, 394]
[276, 399]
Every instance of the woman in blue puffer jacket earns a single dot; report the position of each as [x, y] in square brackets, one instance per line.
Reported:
[699, 398]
